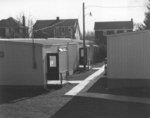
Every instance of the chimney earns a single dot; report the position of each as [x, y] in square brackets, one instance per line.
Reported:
[24, 24]
[57, 18]
[23, 21]
[132, 20]
[132, 23]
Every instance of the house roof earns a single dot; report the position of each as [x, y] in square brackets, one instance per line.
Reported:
[113, 25]
[130, 33]
[53, 23]
[10, 22]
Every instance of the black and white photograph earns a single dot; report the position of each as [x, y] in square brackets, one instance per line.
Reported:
[74, 58]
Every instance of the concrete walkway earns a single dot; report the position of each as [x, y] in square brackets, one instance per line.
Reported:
[84, 85]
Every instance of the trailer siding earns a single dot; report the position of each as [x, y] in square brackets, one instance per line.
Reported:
[129, 56]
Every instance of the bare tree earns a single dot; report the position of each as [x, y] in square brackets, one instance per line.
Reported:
[147, 16]
[28, 23]
[30, 26]
[139, 26]
[90, 36]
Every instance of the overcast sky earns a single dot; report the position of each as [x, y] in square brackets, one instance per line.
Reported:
[102, 10]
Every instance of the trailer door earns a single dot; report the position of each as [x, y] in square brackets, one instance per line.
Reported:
[52, 66]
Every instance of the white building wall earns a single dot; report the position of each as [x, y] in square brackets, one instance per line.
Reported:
[129, 55]
[68, 60]
[16, 67]
[63, 62]
[73, 57]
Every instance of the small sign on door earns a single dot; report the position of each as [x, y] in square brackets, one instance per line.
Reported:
[52, 61]
[82, 53]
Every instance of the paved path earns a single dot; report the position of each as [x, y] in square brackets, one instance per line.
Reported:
[84, 85]
[95, 105]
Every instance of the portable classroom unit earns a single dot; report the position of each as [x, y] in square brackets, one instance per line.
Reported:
[24, 63]
[128, 59]
[90, 49]
[17, 64]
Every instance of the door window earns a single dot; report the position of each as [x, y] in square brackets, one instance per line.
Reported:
[82, 53]
[52, 61]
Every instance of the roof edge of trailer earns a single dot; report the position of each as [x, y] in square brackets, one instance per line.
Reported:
[45, 42]
[39, 41]
[19, 43]
[129, 33]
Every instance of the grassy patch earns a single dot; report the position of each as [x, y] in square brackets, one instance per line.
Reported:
[81, 75]
[99, 87]
[40, 106]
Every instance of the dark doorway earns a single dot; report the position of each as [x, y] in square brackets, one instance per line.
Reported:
[81, 56]
[52, 66]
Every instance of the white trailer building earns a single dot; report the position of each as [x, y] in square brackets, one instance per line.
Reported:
[24, 63]
[128, 59]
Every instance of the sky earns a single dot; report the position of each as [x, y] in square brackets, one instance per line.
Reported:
[102, 10]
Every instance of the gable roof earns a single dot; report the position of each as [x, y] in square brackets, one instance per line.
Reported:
[10, 22]
[53, 23]
[113, 25]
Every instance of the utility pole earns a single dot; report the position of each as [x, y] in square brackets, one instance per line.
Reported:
[84, 48]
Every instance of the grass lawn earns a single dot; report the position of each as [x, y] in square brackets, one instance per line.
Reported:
[135, 91]
[10, 94]
[81, 75]
[83, 107]
[40, 104]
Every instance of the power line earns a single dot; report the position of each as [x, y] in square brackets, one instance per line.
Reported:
[49, 26]
[85, 8]
[115, 6]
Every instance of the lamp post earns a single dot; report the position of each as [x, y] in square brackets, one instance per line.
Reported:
[84, 47]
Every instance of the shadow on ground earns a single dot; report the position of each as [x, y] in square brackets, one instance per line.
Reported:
[84, 107]
[10, 94]
[99, 87]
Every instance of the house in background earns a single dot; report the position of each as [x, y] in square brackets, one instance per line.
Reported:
[11, 28]
[102, 29]
[58, 28]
